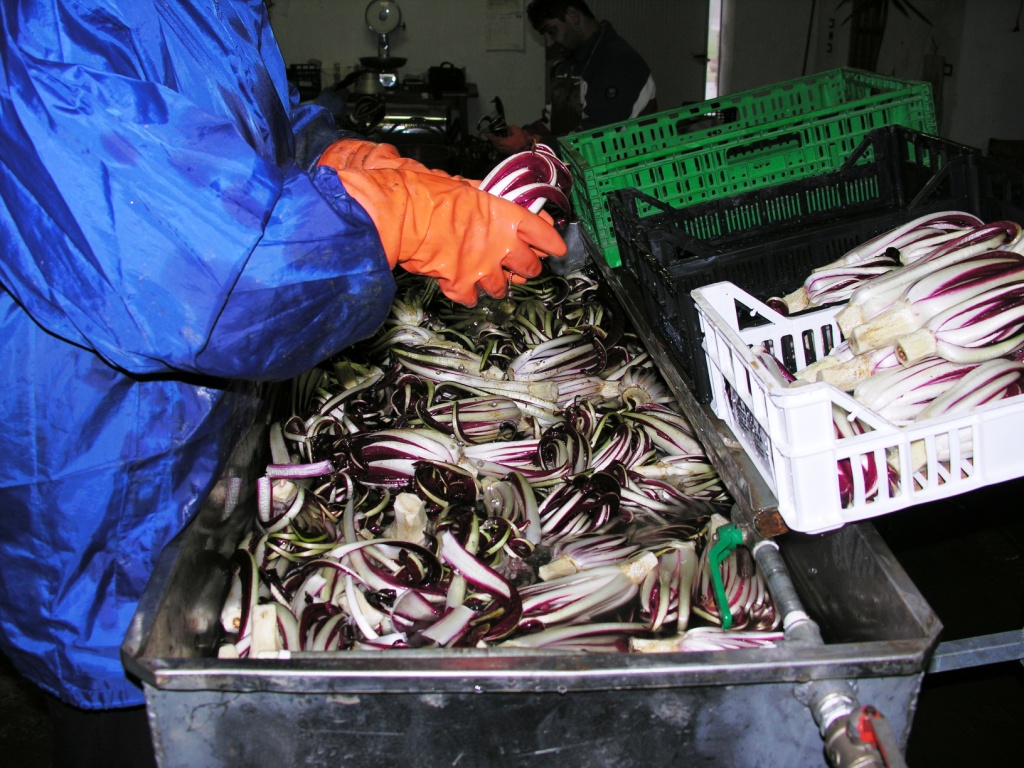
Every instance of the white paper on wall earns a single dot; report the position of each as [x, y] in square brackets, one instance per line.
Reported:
[505, 28]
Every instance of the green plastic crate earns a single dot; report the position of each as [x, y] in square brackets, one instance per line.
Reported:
[737, 143]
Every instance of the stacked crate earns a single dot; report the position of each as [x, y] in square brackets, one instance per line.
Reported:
[736, 143]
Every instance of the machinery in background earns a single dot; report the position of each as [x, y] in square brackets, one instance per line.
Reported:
[381, 71]
[425, 117]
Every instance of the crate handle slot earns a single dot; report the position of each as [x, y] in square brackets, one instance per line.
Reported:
[706, 120]
[763, 147]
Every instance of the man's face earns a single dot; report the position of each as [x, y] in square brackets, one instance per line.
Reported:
[563, 38]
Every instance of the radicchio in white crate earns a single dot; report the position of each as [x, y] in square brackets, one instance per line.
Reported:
[829, 459]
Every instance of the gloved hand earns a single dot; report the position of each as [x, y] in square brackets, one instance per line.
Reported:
[443, 227]
[358, 154]
[517, 140]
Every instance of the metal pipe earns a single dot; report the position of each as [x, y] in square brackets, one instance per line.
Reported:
[833, 704]
[798, 625]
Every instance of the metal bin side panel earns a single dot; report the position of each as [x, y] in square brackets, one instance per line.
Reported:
[858, 590]
[758, 725]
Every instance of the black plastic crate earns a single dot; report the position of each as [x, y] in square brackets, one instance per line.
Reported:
[1000, 193]
[767, 241]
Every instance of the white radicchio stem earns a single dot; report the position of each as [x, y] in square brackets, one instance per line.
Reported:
[706, 639]
[848, 374]
[899, 394]
[879, 293]
[832, 285]
[981, 328]
[935, 292]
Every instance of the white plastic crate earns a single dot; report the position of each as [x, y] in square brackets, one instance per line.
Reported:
[789, 433]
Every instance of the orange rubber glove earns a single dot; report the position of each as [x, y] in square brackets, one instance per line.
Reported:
[358, 154]
[443, 227]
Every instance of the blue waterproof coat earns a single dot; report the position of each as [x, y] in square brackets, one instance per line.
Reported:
[163, 241]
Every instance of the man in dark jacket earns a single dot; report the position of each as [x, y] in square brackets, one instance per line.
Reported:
[599, 78]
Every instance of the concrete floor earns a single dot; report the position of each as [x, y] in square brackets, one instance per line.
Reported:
[966, 555]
